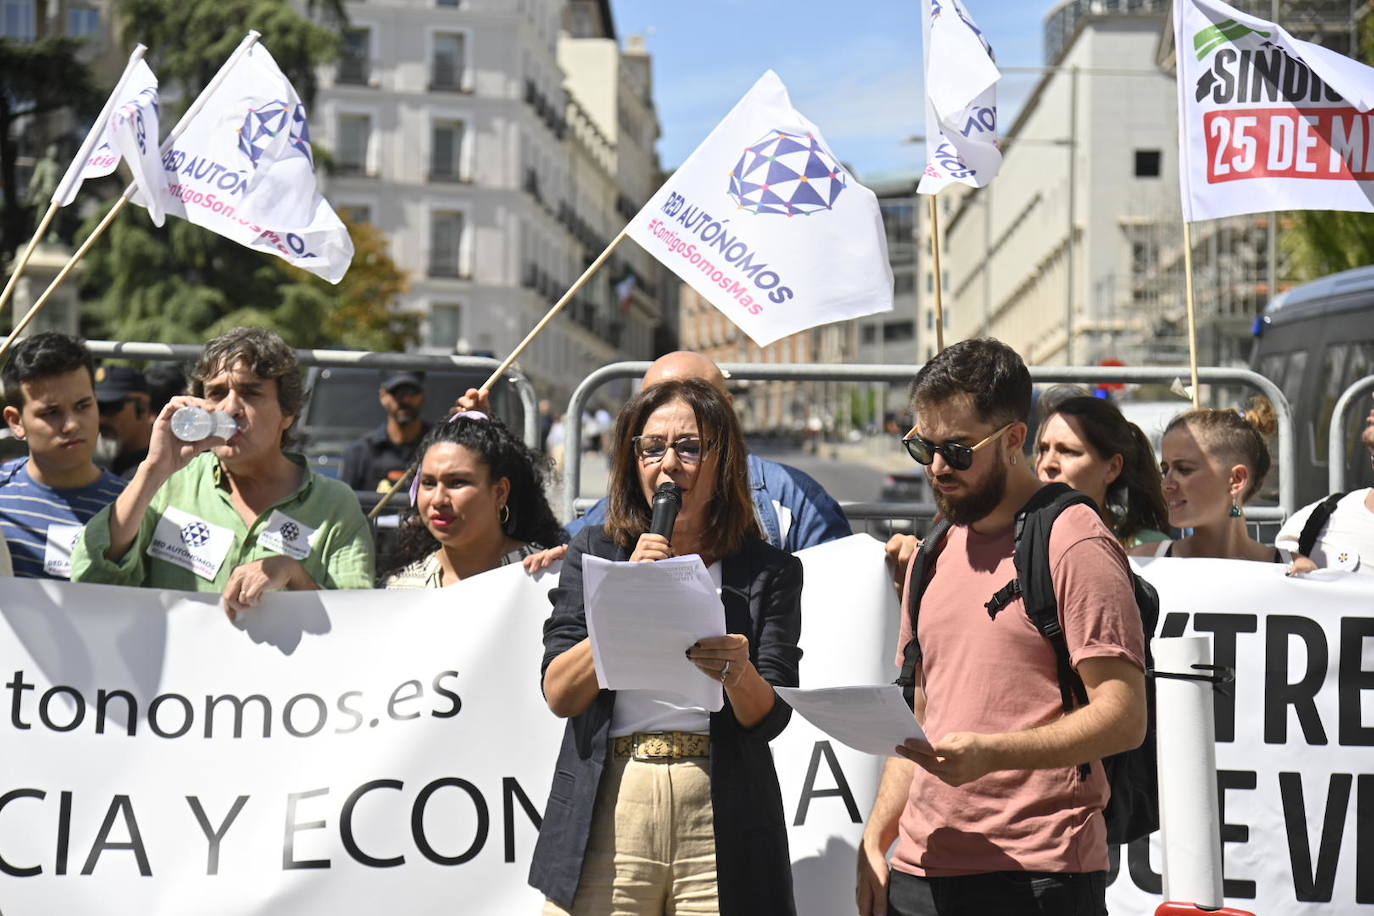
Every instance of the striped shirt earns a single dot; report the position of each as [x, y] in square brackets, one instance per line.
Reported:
[28, 509]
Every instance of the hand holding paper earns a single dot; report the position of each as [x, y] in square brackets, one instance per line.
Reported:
[870, 719]
[641, 617]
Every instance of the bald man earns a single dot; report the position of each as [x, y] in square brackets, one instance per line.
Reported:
[794, 510]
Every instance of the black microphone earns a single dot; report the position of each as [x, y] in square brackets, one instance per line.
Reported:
[667, 502]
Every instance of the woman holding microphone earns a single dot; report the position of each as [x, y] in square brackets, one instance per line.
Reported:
[658, 807]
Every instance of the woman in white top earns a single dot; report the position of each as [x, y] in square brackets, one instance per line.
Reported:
[659, 806]
[476, 503]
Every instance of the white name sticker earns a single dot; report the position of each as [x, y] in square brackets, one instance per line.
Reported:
[57, 557]
[191, 543]
[286, 536]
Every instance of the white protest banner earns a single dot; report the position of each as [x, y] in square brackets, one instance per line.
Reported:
[243, 168]
[432, 809]
[1295, 736]
[127, 128]
[1267, 122]
[849, 636]
[765, 223]
[961, 99]
[340, 753]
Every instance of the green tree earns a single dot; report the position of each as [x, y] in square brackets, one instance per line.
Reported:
[1323, 242]
[190, 39]
[181, 284]
[35, 80]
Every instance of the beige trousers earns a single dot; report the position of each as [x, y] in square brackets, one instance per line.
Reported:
[652, 849]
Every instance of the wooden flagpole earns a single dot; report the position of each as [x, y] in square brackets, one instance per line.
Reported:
[62, 274]
[249, 40]
[939, 279]
[1192, 318]
[515, 354]
[70, 177]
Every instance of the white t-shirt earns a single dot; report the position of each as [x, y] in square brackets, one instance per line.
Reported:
[1347, 540]
[651, 711]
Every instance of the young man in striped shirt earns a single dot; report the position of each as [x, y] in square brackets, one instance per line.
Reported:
[45, 498]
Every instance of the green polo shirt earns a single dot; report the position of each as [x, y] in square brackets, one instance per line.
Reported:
[192, 537]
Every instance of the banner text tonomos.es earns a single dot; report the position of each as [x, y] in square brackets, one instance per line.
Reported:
[118, 711]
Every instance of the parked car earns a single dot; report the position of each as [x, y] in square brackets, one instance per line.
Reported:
[909, 486]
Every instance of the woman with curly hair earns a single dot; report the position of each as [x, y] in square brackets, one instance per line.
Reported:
[477, 503]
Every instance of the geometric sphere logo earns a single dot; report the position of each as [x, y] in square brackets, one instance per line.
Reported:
[195, 534]
[786, 172]
[289, 531]
[261, 126]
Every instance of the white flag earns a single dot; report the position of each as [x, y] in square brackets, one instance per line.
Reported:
[127, 127]
[1267, 122]
[961, 100]
[765, 223]
[243, 167]
[134, 131]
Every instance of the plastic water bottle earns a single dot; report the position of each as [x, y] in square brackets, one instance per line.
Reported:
[192, 424]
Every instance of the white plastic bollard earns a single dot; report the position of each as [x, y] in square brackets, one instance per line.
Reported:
[1190, 824]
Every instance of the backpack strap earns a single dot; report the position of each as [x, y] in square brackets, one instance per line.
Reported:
[1036, 580]
[1312, 528]
[918, 577]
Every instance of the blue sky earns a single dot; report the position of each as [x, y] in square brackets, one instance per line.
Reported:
[852, 68]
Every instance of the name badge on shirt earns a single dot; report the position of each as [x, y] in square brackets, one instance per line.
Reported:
[184, 540]
[57, 557]
[286, 536]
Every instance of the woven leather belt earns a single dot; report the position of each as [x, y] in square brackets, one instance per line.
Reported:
[662, 745]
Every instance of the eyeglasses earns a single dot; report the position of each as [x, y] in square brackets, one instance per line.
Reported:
[959, 457]
[651, 449]
[110, 408]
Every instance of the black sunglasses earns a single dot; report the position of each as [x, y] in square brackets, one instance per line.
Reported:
[959, 457]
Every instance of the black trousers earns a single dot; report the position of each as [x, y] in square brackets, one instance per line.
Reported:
[1004, 893]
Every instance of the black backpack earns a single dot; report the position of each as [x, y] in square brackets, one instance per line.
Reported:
[1133, 810]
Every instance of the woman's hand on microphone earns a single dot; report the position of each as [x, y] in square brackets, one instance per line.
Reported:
[651, 547]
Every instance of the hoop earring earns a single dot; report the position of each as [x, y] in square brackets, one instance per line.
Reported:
[1235, 509]
[503, 514]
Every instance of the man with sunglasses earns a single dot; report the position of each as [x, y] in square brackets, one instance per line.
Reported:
[126, 416]
[47, 496]
[993, 815]
[377, 460]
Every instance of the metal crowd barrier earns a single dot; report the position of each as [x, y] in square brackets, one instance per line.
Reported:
[903, 374]
[1335, 439]
[339, 359]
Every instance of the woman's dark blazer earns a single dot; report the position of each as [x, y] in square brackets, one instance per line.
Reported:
[761, 591]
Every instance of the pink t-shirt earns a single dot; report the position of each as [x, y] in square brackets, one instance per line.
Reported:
[995, 675]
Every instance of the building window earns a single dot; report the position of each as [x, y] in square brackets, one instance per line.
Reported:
[82, 20]
[903, 283]
[445, 325]
[899, 332]
[446, 151]
[446, 67]
[17, 20]
[868, 334]
[1147, 163]
[449, 3]
[355, 64]
[445, 243]
[355, 133]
